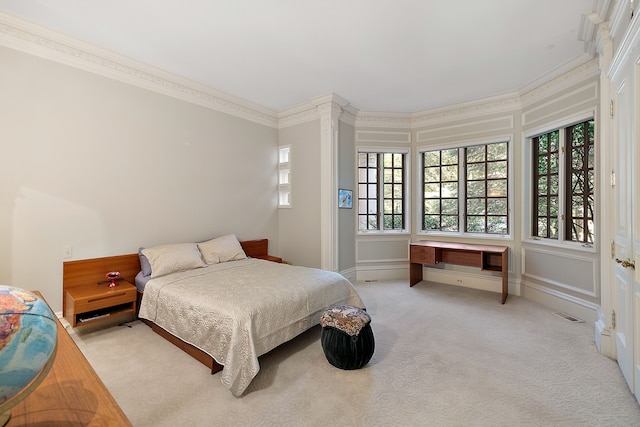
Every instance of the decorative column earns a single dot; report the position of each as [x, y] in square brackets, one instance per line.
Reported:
[329, 109]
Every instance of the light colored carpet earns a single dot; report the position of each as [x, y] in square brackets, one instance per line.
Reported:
[445, 356]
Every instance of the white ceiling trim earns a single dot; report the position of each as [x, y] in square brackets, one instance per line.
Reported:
[24, 36]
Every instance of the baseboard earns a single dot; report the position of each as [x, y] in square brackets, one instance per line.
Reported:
[350, 274]
[558, 301]
[382, 272]
[602, 336]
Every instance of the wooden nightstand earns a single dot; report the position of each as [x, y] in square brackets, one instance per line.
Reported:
[93, 303]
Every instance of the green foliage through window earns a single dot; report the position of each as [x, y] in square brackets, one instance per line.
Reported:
[381, 190]
[577, 170]
[476, 177]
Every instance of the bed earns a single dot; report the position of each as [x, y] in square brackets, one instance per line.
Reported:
[236, 304]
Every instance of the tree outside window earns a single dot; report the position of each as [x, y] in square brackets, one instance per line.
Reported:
[381, 191]
[571, 181]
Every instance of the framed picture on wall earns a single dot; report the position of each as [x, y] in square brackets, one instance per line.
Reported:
[345, 199]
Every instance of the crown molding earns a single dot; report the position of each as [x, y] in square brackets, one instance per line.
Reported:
[490, 105]
[309, 111]
[37, 40]
[584, 71]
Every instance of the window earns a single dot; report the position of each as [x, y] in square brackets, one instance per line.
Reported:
[466, 185]
[381, 191]
[284, 176]
[564, 186]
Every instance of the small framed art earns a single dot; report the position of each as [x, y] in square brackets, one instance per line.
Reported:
[345, 199]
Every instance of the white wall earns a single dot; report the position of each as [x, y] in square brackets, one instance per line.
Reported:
[300, 224]
[105, 167]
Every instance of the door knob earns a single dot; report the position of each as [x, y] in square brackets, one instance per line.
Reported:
[626, 263]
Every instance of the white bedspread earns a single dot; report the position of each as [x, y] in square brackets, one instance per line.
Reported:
[239, 310]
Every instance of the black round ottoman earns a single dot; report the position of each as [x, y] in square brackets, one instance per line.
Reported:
[347, 338]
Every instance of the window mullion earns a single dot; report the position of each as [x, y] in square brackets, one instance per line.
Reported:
[563, 192]
[462, 190]
[381, 191]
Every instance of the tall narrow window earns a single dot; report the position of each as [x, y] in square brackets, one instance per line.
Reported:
[546, 176]
[487, 188]
[381, 191]
[284, 176]
[570, 180]
[580, 182]
[440, 195]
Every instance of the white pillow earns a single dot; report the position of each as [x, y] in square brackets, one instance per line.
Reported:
[222, 249]
[166, 259]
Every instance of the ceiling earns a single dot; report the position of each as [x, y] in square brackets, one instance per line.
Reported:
[380, 55]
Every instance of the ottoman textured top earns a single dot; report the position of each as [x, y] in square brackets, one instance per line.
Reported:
[346, 318]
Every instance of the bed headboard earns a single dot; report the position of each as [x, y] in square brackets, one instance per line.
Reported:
[256, 248]
[91, 271]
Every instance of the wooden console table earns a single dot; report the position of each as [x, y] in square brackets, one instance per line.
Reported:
[71, 394]
[486, 257]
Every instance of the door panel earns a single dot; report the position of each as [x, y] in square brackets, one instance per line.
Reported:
[623, 217]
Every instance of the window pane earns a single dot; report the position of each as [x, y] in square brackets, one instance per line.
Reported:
[476, 207]
[496, 224]
[398, 191]
[432, 206]
[450, 189]
[450, 173]
[475, 224]
[497, 151]
[497, 188]
[542, 226]
[497, 170]
[431, 158]
[450, 223]
[475, 171]
[543, 207]
[373, 191]
[476, 154]
[450, 206]
[449, 157]
[432, 174]
[497, 206]
[432, 191]
[543, 184]
[431, 222]
[475, 189]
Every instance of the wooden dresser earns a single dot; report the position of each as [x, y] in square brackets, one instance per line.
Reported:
[71, 394]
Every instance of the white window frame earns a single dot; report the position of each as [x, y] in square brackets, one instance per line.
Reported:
[284, 176]
[527, 182]
[405, 197]
[462, 192]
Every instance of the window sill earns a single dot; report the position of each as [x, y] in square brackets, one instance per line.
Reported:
[384, 233]
[581, 247]
[478, 236]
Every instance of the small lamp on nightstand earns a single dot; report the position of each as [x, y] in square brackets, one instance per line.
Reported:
[113, 276]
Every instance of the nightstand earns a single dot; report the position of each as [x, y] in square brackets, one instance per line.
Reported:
[90, 304]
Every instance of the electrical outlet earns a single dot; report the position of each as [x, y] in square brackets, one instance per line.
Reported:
[66, 252]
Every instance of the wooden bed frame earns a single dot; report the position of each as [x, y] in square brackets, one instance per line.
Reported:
[90, 271]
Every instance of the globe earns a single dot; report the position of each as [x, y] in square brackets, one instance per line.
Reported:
[28, 344]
